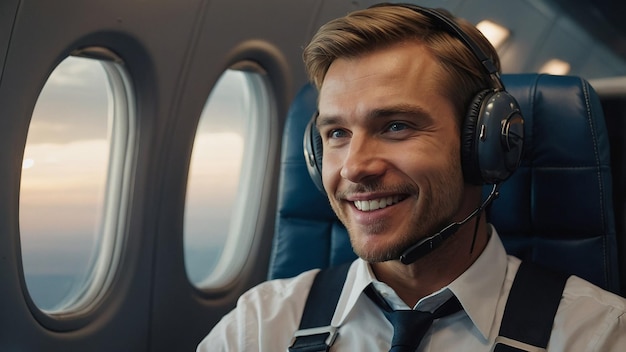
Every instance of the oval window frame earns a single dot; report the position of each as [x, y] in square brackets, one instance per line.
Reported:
[250, 191]
[104, 263]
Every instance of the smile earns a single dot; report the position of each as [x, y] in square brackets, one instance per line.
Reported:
[375, 204]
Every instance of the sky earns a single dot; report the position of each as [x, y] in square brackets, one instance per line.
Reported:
[65, 167]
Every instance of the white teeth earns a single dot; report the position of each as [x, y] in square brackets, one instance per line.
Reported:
[375, 204]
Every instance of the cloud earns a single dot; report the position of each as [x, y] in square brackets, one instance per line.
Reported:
[77, 72]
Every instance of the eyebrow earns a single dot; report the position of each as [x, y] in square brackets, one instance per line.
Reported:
[402, 109]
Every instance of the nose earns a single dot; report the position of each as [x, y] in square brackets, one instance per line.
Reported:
[363, 160]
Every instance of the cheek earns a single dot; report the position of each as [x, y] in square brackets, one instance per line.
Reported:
[329, 172]
[333, 156]
[430, 157]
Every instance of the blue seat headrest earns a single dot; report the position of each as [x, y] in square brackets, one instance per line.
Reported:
[556, 209]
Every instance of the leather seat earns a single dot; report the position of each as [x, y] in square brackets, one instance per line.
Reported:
[556, 209]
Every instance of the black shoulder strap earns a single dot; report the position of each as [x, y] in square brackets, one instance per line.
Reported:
[526, 325]
[530, 309]
[315, 333]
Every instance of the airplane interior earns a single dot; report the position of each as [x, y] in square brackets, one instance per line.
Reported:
[154, 168]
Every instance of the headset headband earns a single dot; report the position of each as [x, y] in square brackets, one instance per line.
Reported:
[451, 27]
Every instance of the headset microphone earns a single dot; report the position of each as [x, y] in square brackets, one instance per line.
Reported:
[428, 244]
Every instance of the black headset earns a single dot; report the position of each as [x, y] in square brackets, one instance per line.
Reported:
[492, 135]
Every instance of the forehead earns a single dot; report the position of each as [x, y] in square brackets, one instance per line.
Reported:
[401, 74]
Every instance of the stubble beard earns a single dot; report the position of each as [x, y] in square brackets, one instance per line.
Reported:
[419, 227]
[438, 209]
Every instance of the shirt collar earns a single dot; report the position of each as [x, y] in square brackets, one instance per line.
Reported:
[479, 287]
[478, 293]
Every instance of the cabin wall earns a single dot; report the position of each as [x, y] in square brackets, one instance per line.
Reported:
[175, 51]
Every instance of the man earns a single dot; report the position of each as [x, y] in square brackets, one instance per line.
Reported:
[394, 91]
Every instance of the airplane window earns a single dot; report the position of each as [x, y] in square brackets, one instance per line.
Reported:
[72, 189]
[225, 178]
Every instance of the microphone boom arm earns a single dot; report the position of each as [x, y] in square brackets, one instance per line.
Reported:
[428, 244]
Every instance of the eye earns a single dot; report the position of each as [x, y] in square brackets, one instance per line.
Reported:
[337, 133]
[397, 126]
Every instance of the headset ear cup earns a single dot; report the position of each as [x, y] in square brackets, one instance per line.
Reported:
[313, 151]
[318, 152]
[469, 138]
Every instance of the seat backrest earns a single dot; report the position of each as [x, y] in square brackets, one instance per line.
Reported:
[556, 209]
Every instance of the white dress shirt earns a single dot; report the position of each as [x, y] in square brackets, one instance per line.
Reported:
[266, 317]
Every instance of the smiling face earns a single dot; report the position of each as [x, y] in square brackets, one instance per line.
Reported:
[391, 161]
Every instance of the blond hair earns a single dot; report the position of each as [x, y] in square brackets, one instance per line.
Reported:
[375, 28]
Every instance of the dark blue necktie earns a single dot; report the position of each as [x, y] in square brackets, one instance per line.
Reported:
[410, 326]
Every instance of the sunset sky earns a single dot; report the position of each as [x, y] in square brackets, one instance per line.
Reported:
[65, 165]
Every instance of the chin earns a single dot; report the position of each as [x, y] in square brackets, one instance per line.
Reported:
[377, 253]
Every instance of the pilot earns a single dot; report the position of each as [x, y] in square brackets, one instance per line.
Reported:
[402, 91]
